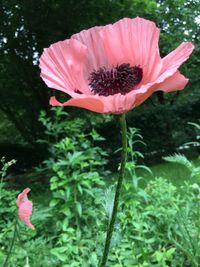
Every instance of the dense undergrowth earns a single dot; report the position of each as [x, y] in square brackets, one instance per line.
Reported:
[158, 221]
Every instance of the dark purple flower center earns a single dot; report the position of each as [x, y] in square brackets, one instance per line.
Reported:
[120, 79]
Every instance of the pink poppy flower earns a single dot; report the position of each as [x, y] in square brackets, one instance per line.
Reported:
[113, 68]
[25, 207]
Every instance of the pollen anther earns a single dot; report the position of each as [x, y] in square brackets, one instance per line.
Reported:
[120, 79]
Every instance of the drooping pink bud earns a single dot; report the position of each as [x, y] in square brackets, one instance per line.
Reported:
[25, 208]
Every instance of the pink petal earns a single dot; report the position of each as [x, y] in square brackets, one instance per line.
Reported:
[173, 60]
[62, 66]
[96, 55]
[133, 41]
[87, 102]
[169, 78]
[22, 197]
[145, 93]
[174, 83]
[25, 208]
[118, 104]
[114, 104]
[24, 212]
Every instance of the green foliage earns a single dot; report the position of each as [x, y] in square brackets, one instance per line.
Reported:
[158, 226]
[197, 128]
[27, 244]
[31, 252]
[5, 166]
[7, 202]
[77, 167]
[158, 222]
[134, 138]
[181, 159]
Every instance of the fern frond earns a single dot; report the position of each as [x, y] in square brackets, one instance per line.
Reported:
[180, 159]
[197, 126]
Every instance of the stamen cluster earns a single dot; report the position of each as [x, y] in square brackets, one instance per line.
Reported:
[120, 79]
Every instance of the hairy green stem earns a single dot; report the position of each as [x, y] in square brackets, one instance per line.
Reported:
[11, 245]
[110, 229]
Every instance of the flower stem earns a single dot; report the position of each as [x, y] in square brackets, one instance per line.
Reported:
[122, 120]
[11, 245]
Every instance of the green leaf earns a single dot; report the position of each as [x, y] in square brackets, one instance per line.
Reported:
[60, 253]
[79, 208]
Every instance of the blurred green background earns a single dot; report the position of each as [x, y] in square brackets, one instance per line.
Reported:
[29, 26]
